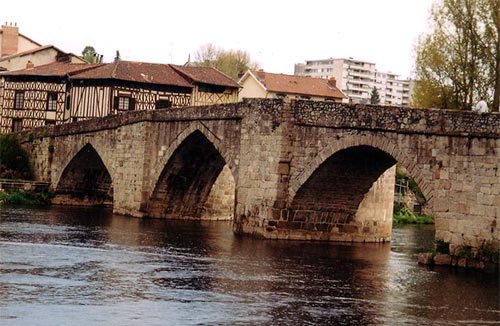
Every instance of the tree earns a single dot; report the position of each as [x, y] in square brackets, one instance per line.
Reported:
[459, 61]
[89, 54]
[14, 162]
[233, 63]
[374, 97]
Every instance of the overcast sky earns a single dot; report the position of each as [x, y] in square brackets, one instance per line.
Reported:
[277, 34]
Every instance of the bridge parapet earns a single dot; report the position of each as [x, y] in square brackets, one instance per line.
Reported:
[397, 119]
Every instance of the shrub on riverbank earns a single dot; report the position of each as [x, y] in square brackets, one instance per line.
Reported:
[402, 215]
[14, 163]
[24, 198]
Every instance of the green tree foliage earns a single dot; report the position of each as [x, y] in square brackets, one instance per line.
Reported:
[374, 97]
[459, 61]
[89, 54]
[14, 163]
[233, 63]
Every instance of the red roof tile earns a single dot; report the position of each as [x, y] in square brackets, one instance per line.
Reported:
[142, 72]
[206, 75]
[55, 69]
[300, 85]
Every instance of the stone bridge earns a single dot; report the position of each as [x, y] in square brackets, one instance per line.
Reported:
[299, 170]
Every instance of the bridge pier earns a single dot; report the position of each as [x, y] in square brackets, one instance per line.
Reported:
[348, 199]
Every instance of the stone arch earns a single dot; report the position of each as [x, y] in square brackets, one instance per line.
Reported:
[384, 145]
[85, 179]
[74, 150]
[192, 163]
[193, 127]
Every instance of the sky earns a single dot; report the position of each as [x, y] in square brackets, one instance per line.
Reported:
[276, 34]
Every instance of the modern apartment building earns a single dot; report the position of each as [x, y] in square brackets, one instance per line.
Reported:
[356, 79]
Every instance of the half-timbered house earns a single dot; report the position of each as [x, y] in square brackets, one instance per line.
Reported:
[210, 85]
[59, 93]
[36, 97]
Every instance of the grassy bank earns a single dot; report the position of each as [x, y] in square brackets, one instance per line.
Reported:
[24, 198]
[403, 216]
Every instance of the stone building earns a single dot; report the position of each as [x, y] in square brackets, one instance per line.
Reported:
[64, 92]
[261, 84]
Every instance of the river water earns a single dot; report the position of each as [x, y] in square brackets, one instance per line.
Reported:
[74, 266]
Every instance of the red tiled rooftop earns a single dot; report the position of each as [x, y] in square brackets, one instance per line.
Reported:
[206, 75]
[300, 85]
[142, 72]
[55, 69]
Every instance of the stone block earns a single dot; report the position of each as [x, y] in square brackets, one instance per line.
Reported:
[425, 258]
[442, 259]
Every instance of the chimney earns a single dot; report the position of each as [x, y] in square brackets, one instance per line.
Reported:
[332, 82]
[29, 65]
[10, 39]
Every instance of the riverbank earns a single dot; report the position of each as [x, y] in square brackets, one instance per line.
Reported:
[24, 192]
[22, 197]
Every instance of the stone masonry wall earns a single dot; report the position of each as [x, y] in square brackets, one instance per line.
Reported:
[220, 202]
[261, 172]
[453, 156]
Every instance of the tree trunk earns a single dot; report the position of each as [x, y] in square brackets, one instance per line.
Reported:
[496, 95]
[496, 19]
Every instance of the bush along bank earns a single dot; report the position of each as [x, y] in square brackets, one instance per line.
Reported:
[485, 258]
[21, 197]
[402, 215]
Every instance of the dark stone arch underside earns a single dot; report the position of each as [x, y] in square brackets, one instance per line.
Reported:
[86, 179]
[186, 180]
[333, 193]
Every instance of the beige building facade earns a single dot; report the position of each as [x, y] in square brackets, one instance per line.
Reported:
[261, 84]
[12, 42]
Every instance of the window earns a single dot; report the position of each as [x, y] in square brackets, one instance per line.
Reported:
[19, 100]
[17, 125]
[51, 101]
[50, 122]
[124, 103]
[163, 104]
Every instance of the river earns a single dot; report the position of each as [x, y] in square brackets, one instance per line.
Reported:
[75, 266]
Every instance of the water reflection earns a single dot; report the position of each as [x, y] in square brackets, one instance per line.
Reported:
[86, 266]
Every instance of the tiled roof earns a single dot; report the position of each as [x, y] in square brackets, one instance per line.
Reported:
[206, 75]
[55, 69]
[300, 85]
[142, 72]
